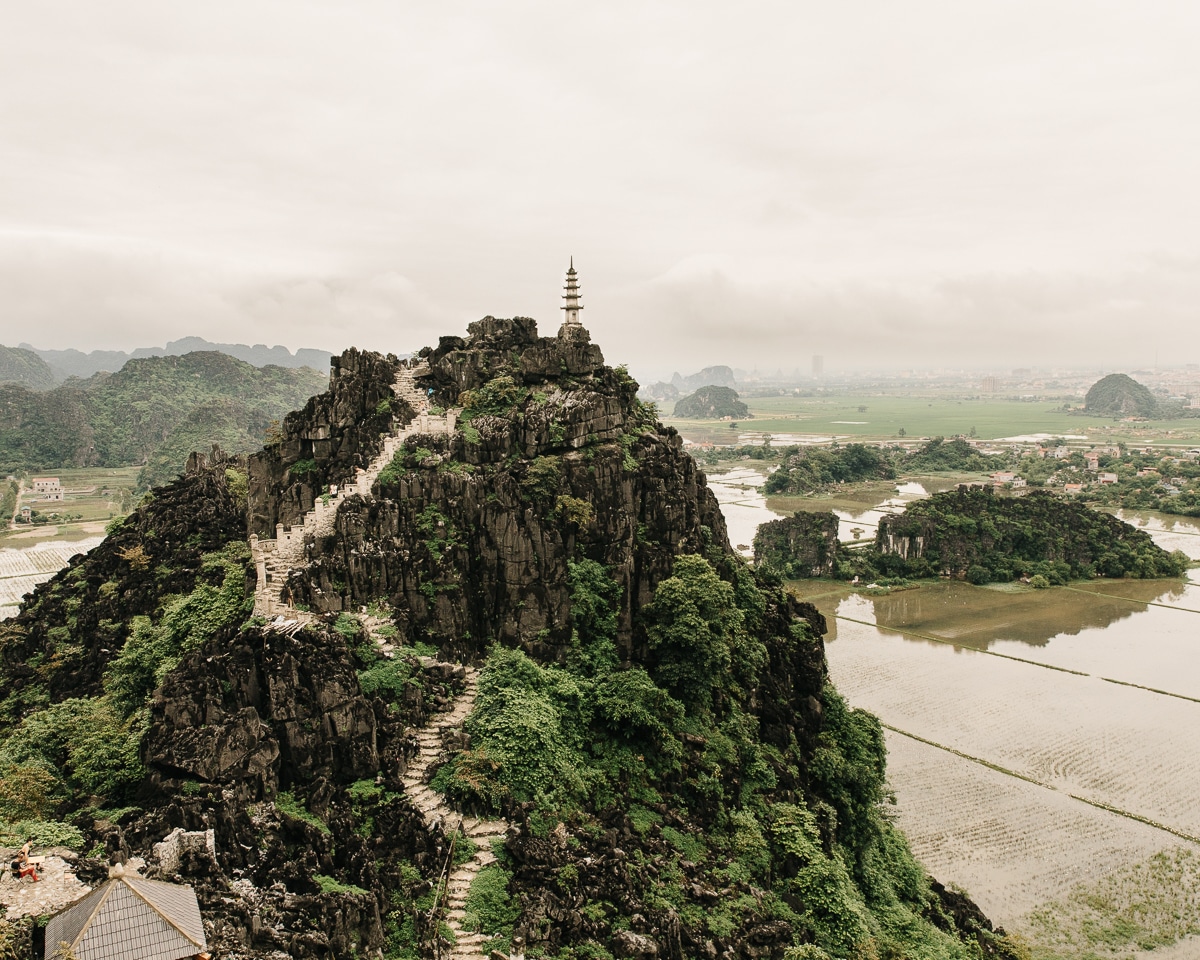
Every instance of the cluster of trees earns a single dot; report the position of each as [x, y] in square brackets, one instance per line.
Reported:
[807, 469]
[940, 454]
[87, 747]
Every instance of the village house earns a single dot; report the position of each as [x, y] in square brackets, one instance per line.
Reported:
[1093, 460]
[1002, 477]
[47, 488]
[1072, 488]
[1107, 479]
[1148, 472]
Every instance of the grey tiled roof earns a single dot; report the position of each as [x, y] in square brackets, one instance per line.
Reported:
[131, 919]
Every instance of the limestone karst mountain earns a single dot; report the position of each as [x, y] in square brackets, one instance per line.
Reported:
[712, 403]
[1119, 395]
[508, 688]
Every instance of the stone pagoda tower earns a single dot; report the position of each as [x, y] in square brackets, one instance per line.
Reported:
[572, 305]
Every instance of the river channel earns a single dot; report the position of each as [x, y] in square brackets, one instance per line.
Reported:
[1042, 743]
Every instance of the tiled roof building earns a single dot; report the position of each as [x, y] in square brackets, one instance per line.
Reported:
[129, 918]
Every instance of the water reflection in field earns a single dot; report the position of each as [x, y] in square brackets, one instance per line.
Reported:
[1037, 738]
[739, 492]
[1169, 531]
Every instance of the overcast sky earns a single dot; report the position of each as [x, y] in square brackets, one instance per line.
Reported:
[984, 183]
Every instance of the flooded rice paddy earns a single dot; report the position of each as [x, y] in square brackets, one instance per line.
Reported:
[743, 504]
[22, 570]
[1042, 743]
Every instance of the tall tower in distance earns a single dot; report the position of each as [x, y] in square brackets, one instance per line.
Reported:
[572, 305]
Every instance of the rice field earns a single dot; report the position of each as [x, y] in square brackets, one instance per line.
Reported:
[873, 417]
[1128, 749]
[1012, 845]
[22, 570]
[1042, 743]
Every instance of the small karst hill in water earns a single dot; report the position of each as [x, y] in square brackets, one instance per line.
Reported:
[1119, 395]
[474, 618]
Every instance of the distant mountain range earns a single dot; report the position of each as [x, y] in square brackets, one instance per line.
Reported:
[41, 369]
[661, 391]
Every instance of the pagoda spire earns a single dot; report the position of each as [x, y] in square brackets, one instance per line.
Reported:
[572, 305]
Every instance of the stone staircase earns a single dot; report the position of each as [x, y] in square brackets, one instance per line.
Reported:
[436, 811]
[275, 559]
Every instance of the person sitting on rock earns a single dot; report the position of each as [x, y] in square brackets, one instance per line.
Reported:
[22, 866]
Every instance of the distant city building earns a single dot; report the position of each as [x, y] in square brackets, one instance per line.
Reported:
[989, 385]
[818, 365]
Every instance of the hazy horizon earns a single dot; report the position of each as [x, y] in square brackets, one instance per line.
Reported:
[934, 184]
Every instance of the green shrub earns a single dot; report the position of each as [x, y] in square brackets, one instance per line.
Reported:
[43, 833]
[85, 743]
[290, 805]
[330, 885]
[187, 623]
[572, 510]
[542, 478]
[238, 484]
[489, 907]
[387, 679]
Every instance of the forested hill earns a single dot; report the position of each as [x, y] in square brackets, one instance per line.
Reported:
[24, 367]
[1119, 395]
[154, 411]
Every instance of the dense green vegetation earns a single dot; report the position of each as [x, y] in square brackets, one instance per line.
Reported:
[154, 411]
[971, 533]
[808, 469]
[78, 756]
[24, 367]
[711, 403]
[583, 741]
[956, 454]
[1119, 395]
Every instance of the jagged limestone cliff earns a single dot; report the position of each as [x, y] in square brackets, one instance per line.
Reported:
[651, 737]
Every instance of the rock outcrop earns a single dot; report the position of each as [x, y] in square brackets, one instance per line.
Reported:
[468, 535]
[802, 545]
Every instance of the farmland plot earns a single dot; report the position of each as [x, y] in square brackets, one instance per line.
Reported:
[1126, 748]
[22, 570]
[1013, 845]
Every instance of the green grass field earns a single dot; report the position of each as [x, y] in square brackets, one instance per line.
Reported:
[929, 416]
